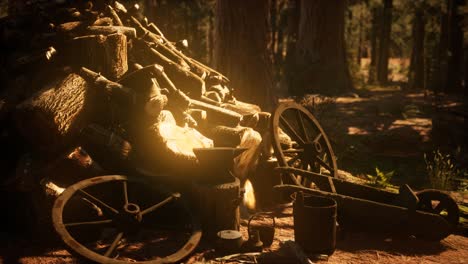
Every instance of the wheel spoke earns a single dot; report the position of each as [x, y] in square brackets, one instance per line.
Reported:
[100, 222]
[96, 200]
[125, 191]
[93, 206]
[317, 138]
[300, 120]
[292, 160]
[323, 163]
[292, 131]
[287, 151]
[114, 244]
[160, 204]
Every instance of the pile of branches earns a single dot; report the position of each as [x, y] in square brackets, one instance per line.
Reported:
[101, 78]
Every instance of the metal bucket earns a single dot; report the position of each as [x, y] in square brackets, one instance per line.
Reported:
[314, 223]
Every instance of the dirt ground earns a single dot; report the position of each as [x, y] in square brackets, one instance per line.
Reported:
[350, 248]
[384, 127]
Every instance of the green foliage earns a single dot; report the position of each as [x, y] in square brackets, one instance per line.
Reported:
[380, 179]
[442, 170]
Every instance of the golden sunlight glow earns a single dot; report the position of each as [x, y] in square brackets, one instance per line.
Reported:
[249, 196]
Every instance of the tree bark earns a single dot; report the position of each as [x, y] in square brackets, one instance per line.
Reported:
[53, 118]
[321, 64]
[104, 54]
[375, 40]
[416, 72]
[455, 46]
[293, 13]
[384, 45]
[241, 48]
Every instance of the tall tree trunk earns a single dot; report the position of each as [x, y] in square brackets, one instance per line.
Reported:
[274, 28]
[374, 45]
[320, 48]
[441, 74]
[241, 48]
[293, 13]
[455, 46]
[210, 38]
[384, 45]
[359, 46]
[280, 37]
[416, 72]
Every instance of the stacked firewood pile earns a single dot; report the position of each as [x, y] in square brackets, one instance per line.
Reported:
[95, 76]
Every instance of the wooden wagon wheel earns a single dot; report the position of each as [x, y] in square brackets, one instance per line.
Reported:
[438, 202]
[110, 219]
[310, 149]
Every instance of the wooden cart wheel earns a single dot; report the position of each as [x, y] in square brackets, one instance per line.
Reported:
[310, 149]
[438, 202]
[111, 219]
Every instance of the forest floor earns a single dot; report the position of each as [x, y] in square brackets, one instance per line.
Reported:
[384, 127]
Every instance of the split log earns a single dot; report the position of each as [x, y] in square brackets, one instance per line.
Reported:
[242, 107]
[105, 54]
[115, 92]
[143, 81]
[107, 30]
[224, 136]
[138, 106]
[103, 21]
[166, 147]
[74, 27]
[217, 115]
[52, 118]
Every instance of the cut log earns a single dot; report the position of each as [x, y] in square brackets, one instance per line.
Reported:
[216, 115]
[52, 119]
[166, 147]
[104, 54]
[242, 107]
[139, 106]
[224, 136]
[103, 21]
[108, 30]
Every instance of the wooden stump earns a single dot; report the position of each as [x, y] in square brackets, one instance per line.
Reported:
[104, 54]
[218, 206]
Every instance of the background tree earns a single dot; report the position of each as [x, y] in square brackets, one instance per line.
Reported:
[454, 51]
[384, 43]
[241, 51]
[320, 56]
[416, 71]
